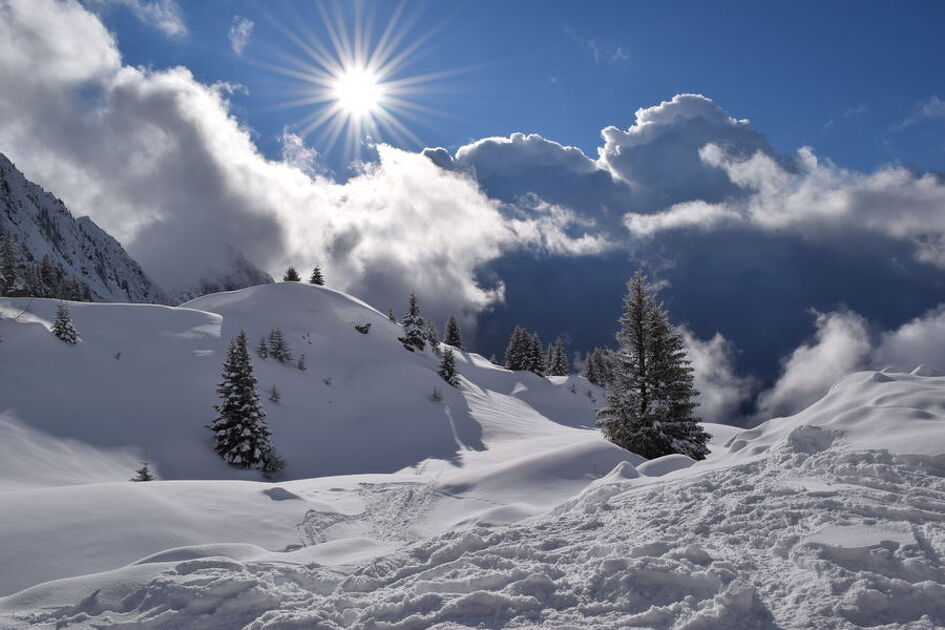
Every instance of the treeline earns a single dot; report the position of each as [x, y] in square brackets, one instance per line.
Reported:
[40, 278]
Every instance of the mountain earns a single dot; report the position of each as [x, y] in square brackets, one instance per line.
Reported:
[41, 225]
[235, 273]
[495, 504]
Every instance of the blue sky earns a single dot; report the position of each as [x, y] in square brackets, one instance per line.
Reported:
[842, 77]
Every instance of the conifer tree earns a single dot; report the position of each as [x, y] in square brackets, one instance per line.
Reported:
[432, 336]
[240, 432]
[317, 277]
[391, 316]
[274, 395]
[8, 266]
[536, 359]
[447, 369]
[452, 336]
[415, 329]
[262, 351]
[301, 363]
[650, 395]
[559, 364]
[62, 326]
[144, 473]
[549, 356]
[291, 275]
[517, 352]
[278, 346]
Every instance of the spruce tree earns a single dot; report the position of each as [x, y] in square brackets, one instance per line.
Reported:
[262, 351]
[291, 275]
[536, 359]
[62, 326]
[452, 336]
[391, 316]
[549, 356]
[240, 432]
[559, 364]
[317, 277]
[650, 395]
[144, 473]
[8, 266]
[274, 395]
[278, 346]
[517, 352]
[447, 369]
[415, 329]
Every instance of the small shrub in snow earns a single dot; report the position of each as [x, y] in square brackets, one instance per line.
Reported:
[327, 381]
[447, 369]
[62, 326]
[240, 432]
[391, 316]
[437, 395]
[118, 356]
[274, 395]
[144, 473]
[301, 363]
[291, 275]
[363, 328]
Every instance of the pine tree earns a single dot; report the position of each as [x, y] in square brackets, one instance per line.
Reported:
[144, 473]
[62, 326]
[432, 336]
[241, 434]
[291, 275]
[274, 395]
[518, 351]
[650, 395]
[301, 363]
[452, 336]
[8, 266]
[536, 360]
[391, 316]
[559, 364]
[415, 330]
[549, 356]
[317, 277]
[262, 351]
[279, 347]
[447, 369]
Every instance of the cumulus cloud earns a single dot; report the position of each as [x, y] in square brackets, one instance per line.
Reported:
[241, 30]
[919, 341]
[158, 160]
[841, 345]
[164, 15]
[722, 391]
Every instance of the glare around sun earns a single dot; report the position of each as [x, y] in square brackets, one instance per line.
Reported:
[357, 92]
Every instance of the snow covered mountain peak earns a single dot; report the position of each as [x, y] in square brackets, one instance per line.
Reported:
[40, 225]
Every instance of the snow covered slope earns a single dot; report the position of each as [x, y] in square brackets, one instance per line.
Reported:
[504, 509]
[41, 224]
[235, 273]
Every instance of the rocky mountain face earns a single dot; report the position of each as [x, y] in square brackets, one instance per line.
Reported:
[62, 256]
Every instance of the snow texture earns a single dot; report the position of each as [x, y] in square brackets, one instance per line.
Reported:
[831, 518]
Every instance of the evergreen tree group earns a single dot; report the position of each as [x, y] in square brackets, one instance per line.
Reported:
[650, 396]
[524, 352]
[62, 326]
[42, 278]
[240, 432]
[291, 275]
[447, 369]
[597, 366]
[452, 336]
[316, 277]
[416, 332]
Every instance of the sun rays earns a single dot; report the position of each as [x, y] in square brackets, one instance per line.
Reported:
[352, 82]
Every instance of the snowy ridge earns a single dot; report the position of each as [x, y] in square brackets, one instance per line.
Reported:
[41, 224]
[507, 510]
[236, 273]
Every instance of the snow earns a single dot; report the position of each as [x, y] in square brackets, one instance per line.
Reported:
[500, 506]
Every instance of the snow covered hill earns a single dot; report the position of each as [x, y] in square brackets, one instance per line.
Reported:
[40, 224]
[499, 506]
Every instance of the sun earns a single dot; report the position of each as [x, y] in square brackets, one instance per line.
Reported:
[358, 92]
[354, 82]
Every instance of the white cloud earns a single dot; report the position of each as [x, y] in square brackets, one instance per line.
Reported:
[164, 15]
[841, 345]
[721, 390]
[241, 30]
[920, 341]
[697, 214]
